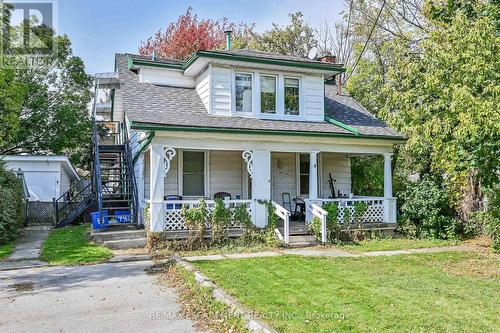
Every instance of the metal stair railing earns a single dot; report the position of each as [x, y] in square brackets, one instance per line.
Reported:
[131, 174]
[96, 172]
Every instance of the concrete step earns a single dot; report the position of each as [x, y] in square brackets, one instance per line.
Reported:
[104, 236]
[303, 241]
[127, 243]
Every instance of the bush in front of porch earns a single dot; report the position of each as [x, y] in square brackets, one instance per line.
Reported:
[221, 219]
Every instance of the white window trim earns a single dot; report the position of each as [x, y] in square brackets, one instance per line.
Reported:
[301, 115]
[233, 93]
[276, 104]
[206, 174]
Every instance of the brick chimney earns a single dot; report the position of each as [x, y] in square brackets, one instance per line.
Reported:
[328, 58]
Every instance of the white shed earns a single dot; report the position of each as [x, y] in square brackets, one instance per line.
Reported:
[47, 177]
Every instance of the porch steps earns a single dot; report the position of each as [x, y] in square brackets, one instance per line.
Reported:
[300, 236]
[121, 239]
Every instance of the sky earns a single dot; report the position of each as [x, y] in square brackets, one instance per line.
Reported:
[100, 28]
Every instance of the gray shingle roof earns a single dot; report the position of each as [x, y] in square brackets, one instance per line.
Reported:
[162, 105]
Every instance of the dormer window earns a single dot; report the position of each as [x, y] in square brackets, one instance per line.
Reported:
[243, 85]
[292, 94]
[268, 94]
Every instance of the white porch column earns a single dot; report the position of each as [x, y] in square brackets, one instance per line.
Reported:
[389, 201]
[313, 175]
[261, 184]
[387, 175]
[139, 173]
[156, 187]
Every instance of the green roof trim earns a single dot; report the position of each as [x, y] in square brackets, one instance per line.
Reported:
[174, 128]
[143, 146]
[342, 125]
[150, 63]
[235, 57]
[260, 60]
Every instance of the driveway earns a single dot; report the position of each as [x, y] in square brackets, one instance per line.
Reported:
[111, 297]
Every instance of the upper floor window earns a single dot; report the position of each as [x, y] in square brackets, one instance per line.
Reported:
[292, 96]
[243, 84]
[268, 94]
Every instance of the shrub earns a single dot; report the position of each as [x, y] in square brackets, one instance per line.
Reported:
[221, 217]
[196, 220]
[493, 221]
[242, 218]
[426, 207]
[332, 226]
[11, 205]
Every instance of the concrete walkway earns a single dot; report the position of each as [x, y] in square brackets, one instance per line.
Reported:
[110, 297]
[325, 252]
[28, 248]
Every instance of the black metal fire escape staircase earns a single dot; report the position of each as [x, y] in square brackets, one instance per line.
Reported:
[113, 188]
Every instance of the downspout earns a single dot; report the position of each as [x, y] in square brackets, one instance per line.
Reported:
[145, 143]
[342, 125]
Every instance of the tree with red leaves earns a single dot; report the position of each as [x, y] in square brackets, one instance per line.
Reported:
[189, 35]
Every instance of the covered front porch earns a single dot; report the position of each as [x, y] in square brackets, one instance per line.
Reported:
[297, 179]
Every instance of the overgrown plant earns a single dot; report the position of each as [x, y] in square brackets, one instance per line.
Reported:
[333, 229]
[221, 217]
[242, 218]
[272, 218]
[11, 206]
[196, 220]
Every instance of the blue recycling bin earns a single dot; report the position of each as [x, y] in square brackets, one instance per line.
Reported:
[95, 220]
[122, 216]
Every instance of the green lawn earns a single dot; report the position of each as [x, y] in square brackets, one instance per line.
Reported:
[6, 250]
[441, 292]
[391, 244]
[71, 246]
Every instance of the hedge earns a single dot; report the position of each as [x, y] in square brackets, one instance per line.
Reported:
[11, 205]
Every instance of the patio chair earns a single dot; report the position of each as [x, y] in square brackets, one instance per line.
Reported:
[222, 195]
[173, 198]
[287, 201]
[300, 208]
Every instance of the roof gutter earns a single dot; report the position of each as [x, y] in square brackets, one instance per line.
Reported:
[342, 125]
[174, 128]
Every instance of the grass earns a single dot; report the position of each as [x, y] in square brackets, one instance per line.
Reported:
[198, 303]
[391, 244]
[439, 292]
[6, 250]
[71, 246]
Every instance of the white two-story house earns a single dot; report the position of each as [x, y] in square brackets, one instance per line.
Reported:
[245, 126]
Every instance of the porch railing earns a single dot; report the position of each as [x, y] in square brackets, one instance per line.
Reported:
[322, 215]
[379, 210]
[175, 222]
[285, 216]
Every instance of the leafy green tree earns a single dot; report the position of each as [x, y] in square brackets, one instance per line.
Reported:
[44, 109]
[297, 38]
[447, 102]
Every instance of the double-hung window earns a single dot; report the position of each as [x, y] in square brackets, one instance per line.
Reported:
[243, 87]
[193, 173]
[268, 94]
[292, 102]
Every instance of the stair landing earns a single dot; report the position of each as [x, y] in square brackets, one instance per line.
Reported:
[120, 237]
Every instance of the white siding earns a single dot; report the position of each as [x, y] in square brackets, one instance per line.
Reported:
[171, 180]
[339, 165]
[221, 91]
[165, 77]
[118, 114]
[65, 181]
[226, 173]
[203, 87]
[283, 175]
[146, 174]
[313, 94]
